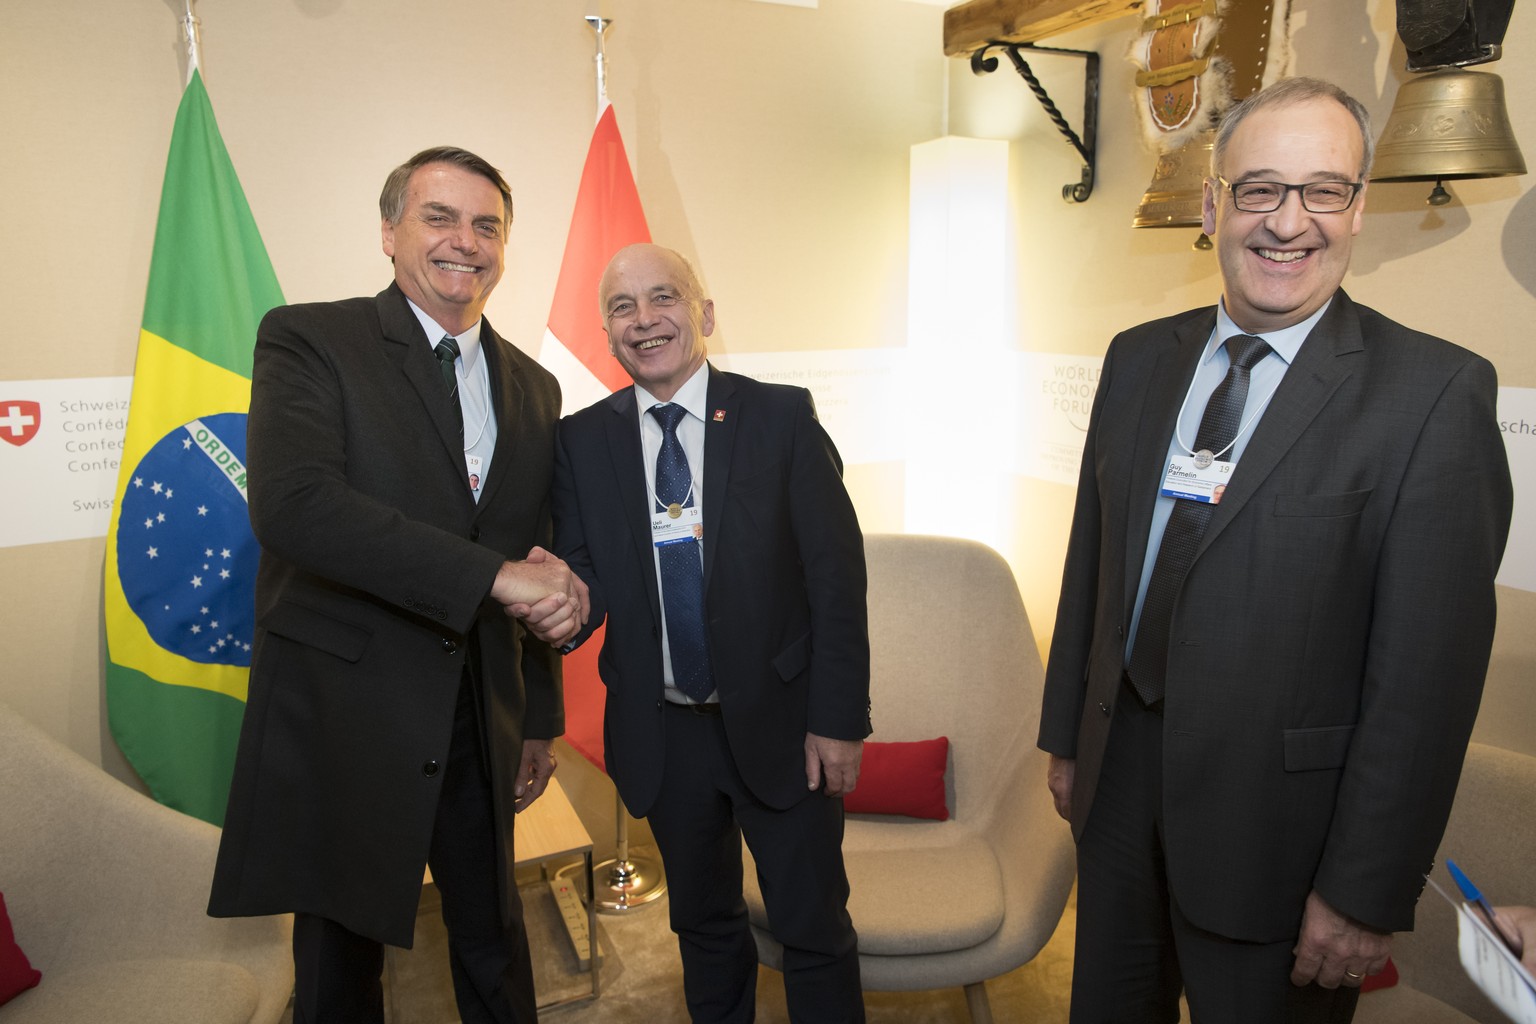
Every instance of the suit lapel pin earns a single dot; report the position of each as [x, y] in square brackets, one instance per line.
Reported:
[719, 415]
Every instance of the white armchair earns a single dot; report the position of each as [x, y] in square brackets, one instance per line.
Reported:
[938, 904]
[108, 890]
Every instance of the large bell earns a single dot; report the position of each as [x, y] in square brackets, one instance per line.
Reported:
[1173, 199]
[1448, 124]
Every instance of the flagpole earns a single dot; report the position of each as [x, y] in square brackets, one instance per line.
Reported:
[630, 881]
[599, 26]
[189, 29]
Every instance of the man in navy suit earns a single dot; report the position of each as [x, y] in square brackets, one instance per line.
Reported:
[1258, 708]
[738, 685]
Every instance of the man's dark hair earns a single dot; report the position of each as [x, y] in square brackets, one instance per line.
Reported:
[392, 199]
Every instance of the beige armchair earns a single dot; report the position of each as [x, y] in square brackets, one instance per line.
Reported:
[1491, 836]
[107, 891]
[939, 904]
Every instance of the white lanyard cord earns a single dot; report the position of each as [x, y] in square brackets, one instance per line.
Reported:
[1178, 424]
[485, 417]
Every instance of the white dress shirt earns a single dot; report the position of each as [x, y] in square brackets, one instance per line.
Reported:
[692, 396]
[474, 395]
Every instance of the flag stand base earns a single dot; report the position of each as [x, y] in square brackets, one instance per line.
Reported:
[624, 882]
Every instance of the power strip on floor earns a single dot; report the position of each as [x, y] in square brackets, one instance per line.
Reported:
[574, 913]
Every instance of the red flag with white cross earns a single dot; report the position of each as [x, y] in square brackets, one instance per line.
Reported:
[608, 216]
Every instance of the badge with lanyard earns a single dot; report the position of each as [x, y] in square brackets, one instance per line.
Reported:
[1198, 477]
[676, 525]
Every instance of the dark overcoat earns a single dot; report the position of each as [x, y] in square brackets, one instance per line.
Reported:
[376, 562]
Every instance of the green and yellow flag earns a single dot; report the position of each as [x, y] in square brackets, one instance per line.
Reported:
[181, 560]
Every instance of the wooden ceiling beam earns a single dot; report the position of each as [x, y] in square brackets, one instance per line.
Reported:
[974, 24]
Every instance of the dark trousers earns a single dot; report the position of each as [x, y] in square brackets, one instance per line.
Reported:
[1135, 950]
[699, 820]
[338, 973]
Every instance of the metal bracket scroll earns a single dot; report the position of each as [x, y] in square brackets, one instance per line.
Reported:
[1085, 145]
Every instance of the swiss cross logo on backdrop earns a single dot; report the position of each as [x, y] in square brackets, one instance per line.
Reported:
[19, 421]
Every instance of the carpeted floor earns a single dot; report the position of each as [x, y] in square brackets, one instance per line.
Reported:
[641, 977]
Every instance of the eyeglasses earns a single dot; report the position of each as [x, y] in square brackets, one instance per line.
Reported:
[1316, 196]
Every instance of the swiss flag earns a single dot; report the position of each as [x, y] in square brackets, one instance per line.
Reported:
[19, 421]
[608, 217]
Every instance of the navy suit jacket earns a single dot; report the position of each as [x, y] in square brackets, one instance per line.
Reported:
[1329, 643]
[784, 582]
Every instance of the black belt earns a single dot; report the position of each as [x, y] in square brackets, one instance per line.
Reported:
[712, 708]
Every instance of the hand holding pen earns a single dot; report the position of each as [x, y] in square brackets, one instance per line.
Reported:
[1521, 921]
[1515, 926]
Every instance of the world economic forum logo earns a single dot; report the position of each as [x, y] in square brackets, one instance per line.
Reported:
[185, 552]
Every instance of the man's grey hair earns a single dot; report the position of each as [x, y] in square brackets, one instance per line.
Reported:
[1284, 93]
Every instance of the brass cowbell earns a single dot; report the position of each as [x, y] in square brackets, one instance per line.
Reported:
[1173, 198]
[1445, 125]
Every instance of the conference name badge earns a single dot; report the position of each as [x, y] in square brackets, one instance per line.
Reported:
[676, 525]
[1188, 480]
[474, 466]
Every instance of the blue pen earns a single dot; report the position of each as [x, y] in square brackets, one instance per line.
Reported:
[1472, 895]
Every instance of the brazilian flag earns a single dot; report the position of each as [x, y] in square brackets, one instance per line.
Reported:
[181, 559]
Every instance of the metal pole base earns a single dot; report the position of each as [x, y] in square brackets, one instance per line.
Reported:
[623, 883]
[628, 883]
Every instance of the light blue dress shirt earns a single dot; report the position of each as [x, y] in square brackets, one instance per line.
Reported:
[1209, 372]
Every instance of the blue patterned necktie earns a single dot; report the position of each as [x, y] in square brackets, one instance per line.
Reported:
[682, 570]
[1186, 524]
[447, 354]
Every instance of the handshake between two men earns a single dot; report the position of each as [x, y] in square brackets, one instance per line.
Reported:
[542, 591]
[554, 604]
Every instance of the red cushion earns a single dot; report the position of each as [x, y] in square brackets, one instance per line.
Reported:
[1386, 979]
[16, 973]
[902, 778]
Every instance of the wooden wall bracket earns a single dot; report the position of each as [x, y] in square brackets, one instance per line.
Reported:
[988, 22]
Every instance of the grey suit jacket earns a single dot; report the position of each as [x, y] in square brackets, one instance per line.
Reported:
[1329, 644]
[375, 566]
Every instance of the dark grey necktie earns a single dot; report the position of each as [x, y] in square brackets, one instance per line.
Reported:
[1186, 525]
[447, 353]
[682, 570]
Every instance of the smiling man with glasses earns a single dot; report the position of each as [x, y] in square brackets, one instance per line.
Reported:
[1277, 607]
